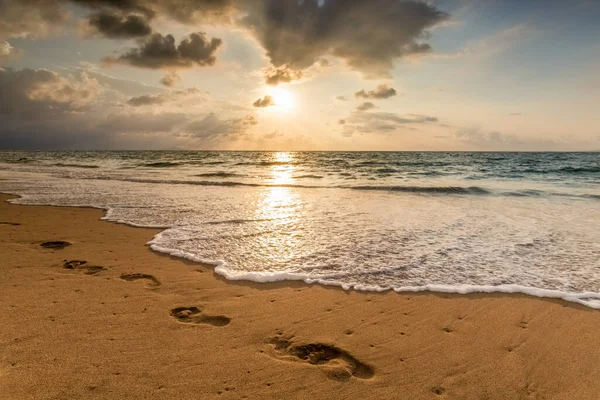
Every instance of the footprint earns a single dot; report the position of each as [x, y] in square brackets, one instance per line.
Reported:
[192, 315]
[10, 223]
[56, 245]
[83, 266]
[152, 283]
[338, 364]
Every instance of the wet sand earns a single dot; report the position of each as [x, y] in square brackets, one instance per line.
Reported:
[106, 318]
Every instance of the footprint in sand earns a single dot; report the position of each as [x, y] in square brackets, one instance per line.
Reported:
[10, 223]
[151, 281]
[55, 245]
[80, 265]
[338, 364]
[192, 315]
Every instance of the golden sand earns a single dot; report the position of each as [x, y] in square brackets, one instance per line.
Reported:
[130, 323]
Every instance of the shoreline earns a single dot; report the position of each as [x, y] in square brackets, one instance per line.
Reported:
[510, 289]
[147, 325]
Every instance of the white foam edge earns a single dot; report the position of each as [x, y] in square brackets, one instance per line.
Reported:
[269, 277]
[29, 200]
[588, 299]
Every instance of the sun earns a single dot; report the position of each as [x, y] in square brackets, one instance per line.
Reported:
[284, 99]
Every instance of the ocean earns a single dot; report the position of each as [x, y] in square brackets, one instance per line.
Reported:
[374, 221]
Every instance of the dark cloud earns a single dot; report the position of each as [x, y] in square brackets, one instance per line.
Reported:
[341, 98]
[381, 92]
[266, 101]
[365, 106]
[120, 27]
[171, 79]
[342, 122]
[283, 74]
[160, 51]
[367, 35]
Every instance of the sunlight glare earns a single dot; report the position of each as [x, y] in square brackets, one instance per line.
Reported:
[284, 99]
[282, 171]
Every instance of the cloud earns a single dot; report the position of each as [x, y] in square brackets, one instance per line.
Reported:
[185, 11]
[266, 101]
[491, 140]
[146, 100]
[486, 48]
[494, 140]
[6, 50]
[342, 121]
[119, 27]
[183, 98]
[31, 18]
[28, 92]
[341, 98]
[41, 109]
[125, 6]
[283, 74]
[365, 106]
[170, 79]
[367, 36]
[212, 128]
[248, 120]
[381, 92]
[160, 51]
[373, 122]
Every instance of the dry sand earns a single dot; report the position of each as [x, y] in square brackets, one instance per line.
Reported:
[84, 332]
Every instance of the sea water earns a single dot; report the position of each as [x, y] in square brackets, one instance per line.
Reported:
[406, 221]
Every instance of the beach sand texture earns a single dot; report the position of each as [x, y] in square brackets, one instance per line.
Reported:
[106, 318]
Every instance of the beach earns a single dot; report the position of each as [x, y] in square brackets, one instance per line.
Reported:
[146, 325]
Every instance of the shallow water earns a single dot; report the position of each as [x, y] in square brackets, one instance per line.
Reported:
[456, 222]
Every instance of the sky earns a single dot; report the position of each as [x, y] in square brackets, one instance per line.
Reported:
[290, 75]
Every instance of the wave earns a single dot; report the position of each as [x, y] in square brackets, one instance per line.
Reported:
[220, 174]
[563, 170]
[308, 177]
[241, 221]
[86, 166]
[266, 163]
[588, 299]
[428, 189]
[581, 170]
[431, 190]
[162, 164]
[472, 190]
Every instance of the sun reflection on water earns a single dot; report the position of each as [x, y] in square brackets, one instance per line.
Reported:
[282, 170]
[281, 208]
